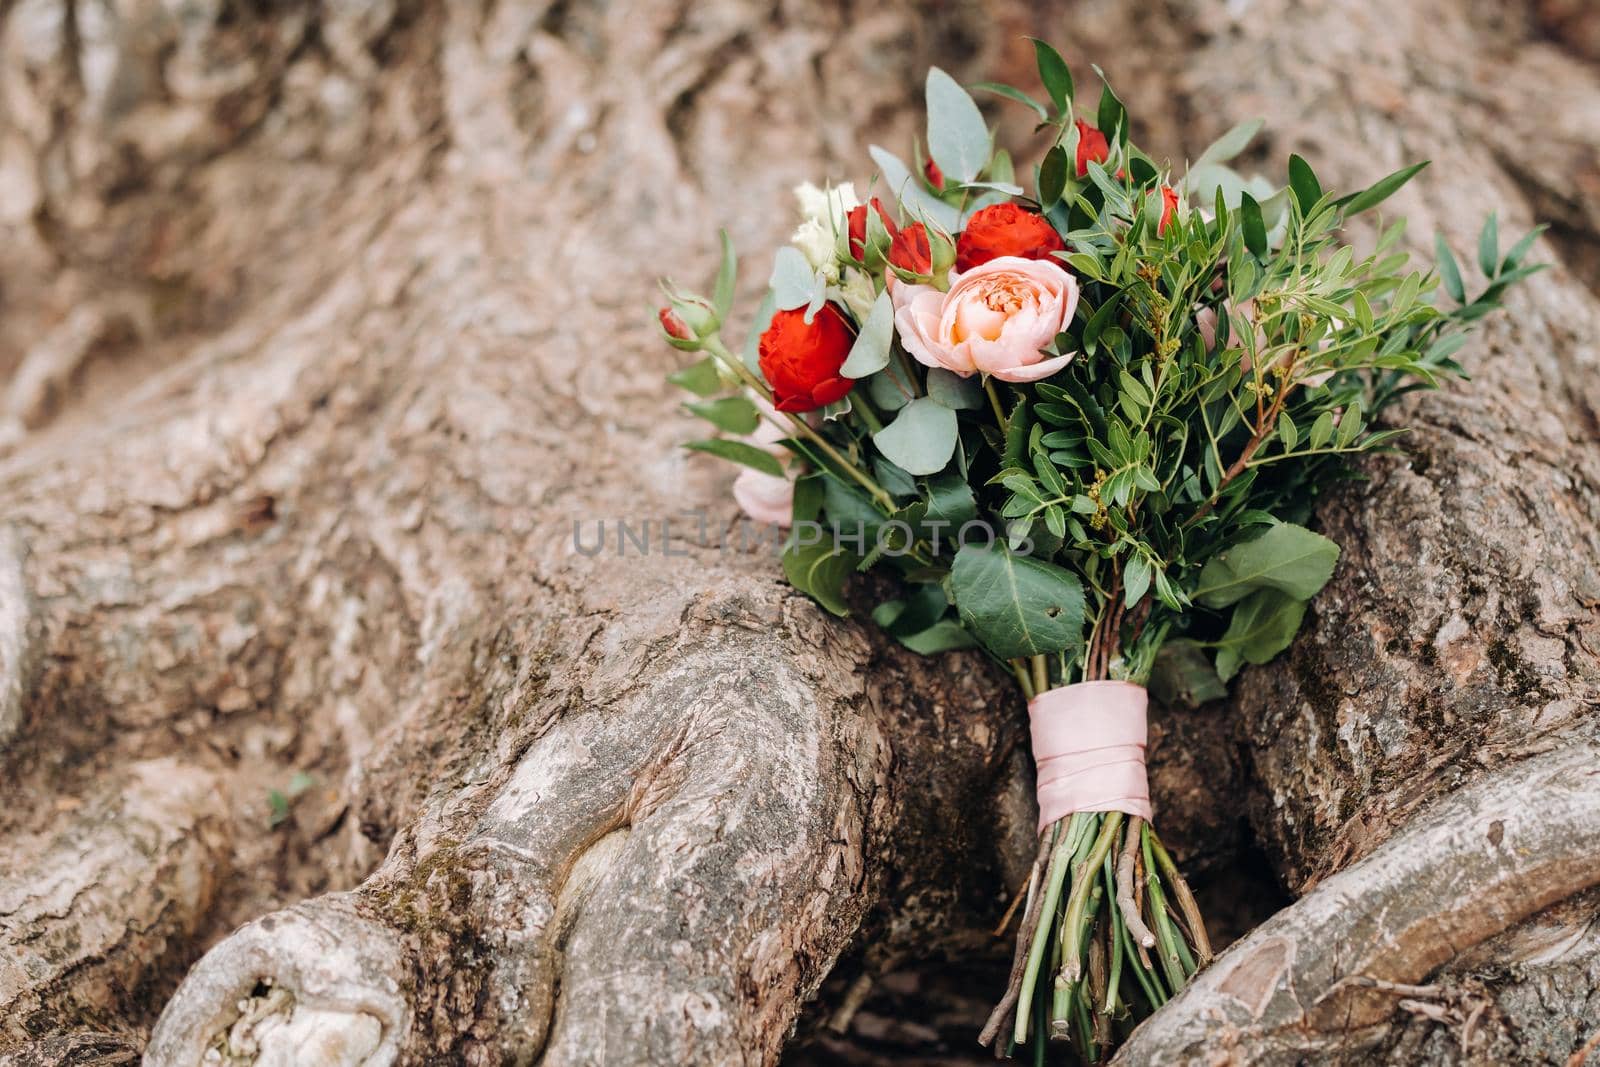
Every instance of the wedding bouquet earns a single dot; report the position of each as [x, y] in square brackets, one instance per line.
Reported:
[1082, 426]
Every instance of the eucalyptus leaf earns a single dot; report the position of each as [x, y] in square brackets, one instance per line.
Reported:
[793, 280]
[922, 437]
[1017, 605]
[870, 352]
[958, 138]
[727, 274]
[911, 193]
[953, 391]
[889, 390]
[758, 326]
[1286, 557]
[1229, 144]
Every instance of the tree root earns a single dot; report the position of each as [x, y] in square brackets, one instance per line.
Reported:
[16, 634]
[92, 914]
[1324, 973]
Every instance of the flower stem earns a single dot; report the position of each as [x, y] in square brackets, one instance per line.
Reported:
[994, 401]
[880, 496]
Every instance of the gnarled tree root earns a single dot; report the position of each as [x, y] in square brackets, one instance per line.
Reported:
[1319, 979]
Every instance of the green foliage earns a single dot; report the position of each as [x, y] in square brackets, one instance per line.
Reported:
[1016, 605]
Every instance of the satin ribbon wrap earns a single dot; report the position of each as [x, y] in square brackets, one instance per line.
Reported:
[1088, 743]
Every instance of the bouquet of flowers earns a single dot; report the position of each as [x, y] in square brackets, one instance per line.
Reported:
[1082, 427]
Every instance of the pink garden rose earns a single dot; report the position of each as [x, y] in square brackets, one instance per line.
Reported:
[996, 318]
[761, 496]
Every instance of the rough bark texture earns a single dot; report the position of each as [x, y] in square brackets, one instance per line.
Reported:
[321, 326]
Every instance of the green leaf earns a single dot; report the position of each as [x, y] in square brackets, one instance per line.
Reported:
[1182, 675]
[820, 571]
[1489, 246]
[1520, 249]
[1322, 429]
[1262, 626]
[700, 378]
[1053, 176]
[1381, 190]
[889, 388]
[792, 279]
[946, 635]
[958, 138]
[752, 341]
[1111, 116]
[740, 452]
[1229, 144]
[1449, 273]
[1252, 225]
[870, 352]
[1054, 73]
[911, 193]
[1303, 182]
[731, 414]
[921, 439]
[278, 806]
[1287, 431]
[1017, 605]
[953, 391]
[950, 501]
[1011, 92]
[727, 274]
[1286, 557]
[1135, 581]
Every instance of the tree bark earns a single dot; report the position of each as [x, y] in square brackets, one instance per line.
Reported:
[328, 359]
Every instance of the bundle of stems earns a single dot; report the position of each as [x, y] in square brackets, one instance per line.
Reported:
[1110, 930]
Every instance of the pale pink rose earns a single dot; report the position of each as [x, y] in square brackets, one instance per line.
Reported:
[763, 497]
[996, 318]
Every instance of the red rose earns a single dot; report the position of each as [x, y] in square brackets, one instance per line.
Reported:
[1169, 204]
[935, 175]
[674, 326]
[858, 227]
[801, 361]
[1092, 148]
[1005, 230]
[910, 250]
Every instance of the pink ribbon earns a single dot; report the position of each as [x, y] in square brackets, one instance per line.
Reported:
[1088, 743]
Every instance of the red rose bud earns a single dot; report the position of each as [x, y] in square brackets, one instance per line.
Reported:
[1169, 204]
[1092, 147]
[801, 361]
[910, 251]
[935, 175]
[858, 228]
[674, 326]
[1005, 230]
